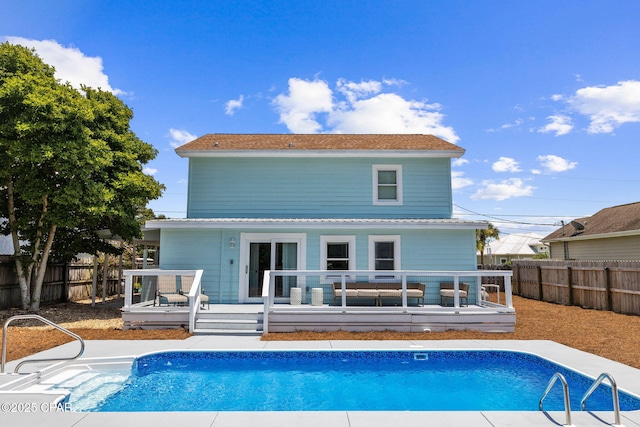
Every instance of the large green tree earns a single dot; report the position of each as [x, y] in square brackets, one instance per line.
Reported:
[70, 166]
[485, 236]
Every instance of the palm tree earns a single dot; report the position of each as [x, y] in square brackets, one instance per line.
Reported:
[483, 237]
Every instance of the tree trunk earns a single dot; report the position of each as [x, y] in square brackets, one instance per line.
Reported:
[24, 275]
[41, 270]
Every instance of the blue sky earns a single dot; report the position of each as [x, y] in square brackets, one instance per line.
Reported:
[543, 95]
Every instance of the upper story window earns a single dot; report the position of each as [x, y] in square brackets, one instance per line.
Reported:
[387, 184]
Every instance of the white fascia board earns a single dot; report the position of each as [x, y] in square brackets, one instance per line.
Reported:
[627, 233]
[323, 153]
[231, 223]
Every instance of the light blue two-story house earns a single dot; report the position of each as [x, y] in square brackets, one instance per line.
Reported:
[314, 202]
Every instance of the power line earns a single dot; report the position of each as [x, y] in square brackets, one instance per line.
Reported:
[508, 221]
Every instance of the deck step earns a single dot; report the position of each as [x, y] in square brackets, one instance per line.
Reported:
[236, 332]
[229, 323]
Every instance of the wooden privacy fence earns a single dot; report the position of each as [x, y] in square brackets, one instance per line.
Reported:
[601, 285]
[62, 282]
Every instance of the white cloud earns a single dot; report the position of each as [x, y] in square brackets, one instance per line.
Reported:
[233, 105]
[503, 190]
[353, 91]
[556, 97]
[505, 164]
[459, 162]
[306, 99]
[608, 106]
[554, 163]
[180, 137]
[560, 124]
[516, 123]
[150, 171]
[70, 63]
[458, 181]
[364, 109]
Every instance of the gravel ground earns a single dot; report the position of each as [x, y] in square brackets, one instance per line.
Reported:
[607, 334]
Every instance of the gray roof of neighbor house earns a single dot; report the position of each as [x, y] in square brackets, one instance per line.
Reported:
[211, 144]
[516, 244]
[616, 220]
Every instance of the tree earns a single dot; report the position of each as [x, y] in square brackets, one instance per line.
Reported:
[71, 166]
[483, 237]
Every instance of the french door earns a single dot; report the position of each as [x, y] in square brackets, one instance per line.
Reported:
[264, 252]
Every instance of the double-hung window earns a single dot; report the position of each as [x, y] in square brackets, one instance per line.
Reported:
[387, 184]
[384, 253]
[337, 252]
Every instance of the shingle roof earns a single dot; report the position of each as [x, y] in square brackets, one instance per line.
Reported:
[616, 219]
[318, 142]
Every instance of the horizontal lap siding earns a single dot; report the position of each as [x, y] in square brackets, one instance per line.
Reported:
[313, 188]
[209, 249]
[615, 248]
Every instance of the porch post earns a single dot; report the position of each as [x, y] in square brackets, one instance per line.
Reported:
[343, 280]
[404, 292]
[507, 291]
[128, 290]
[456, 291]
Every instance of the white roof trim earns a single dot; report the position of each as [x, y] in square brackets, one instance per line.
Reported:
[627, 233]
[329, 223]
[322, 153]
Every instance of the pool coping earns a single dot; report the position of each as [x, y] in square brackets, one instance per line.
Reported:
[628, 379]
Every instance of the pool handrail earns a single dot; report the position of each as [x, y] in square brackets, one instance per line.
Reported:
[48, 322]
[565, 392]
[614, 392]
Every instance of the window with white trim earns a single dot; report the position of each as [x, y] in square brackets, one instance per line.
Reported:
[384, 253]
[387, 184]
[337, 252]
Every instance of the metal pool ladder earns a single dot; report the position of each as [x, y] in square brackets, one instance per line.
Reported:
[565, 391]
[614, 392]
[48, 322]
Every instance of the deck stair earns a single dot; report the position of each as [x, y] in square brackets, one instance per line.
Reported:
[229, 322]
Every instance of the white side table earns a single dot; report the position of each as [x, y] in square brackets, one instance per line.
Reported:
[295, 298]
[317, 296]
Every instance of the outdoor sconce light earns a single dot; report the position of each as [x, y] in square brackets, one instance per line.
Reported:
[232, 243]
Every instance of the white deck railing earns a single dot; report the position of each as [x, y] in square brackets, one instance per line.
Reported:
[305, 279]
[193, 296]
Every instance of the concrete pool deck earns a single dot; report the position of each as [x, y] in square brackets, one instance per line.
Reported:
[627, 378]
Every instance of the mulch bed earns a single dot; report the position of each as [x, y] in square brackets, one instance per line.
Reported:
[611, 335]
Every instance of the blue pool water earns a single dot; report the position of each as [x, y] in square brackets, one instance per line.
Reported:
[346, 380]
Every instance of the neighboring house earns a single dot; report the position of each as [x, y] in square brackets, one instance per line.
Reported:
[513, 246]
[314, 202]
[6, 245]
[611, 234]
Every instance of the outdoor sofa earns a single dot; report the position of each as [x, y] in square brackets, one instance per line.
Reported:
[378, 291]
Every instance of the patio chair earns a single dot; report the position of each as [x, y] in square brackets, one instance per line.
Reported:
[167, 290]
[446, 292]
[185, 286]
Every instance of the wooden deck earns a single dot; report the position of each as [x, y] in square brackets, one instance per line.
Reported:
[248, 318]
[432, 318]
[399, 313]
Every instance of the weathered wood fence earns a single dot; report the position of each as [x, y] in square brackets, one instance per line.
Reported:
[601, 285]
[62, 282]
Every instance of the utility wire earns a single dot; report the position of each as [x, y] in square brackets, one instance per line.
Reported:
[509, 221]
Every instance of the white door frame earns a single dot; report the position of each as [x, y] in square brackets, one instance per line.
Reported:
[245, 244]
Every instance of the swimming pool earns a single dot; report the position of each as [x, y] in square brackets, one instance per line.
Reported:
[335, 381]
